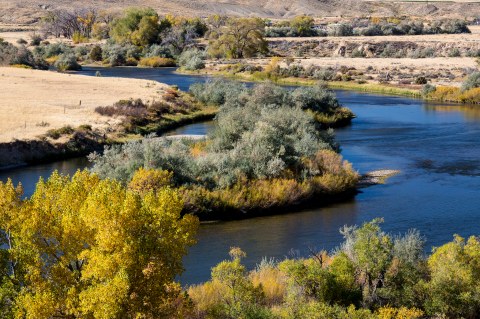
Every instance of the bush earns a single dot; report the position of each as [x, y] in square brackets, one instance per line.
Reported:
[81, 52]
[156, 62]
[132, 108]
[340, 30]
[35, 39]
[77, 37]
[57, 133]
[96, 53]
[156, 50]
[472, 81]
[12, 55]
[192, 60]
[55, 49]
[67, 62]
[114, 54]
[421, 80]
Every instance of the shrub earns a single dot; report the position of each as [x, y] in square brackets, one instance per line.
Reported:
[129, 108]
[21, 41]
[215, 92]
[472, 81]
[421, 80]
[77, 37]
[57, 133]
[340, 30]
[114, 54]
[96, 53]
[156, 62]
[67, 62]
[20, 56]
[427, 89]
[192, 60]
[35, 39]
[81, 52]
[324, 74]
[156, 50]
[455, 52]
[56, 49]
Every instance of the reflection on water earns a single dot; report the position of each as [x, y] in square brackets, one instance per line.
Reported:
[29, 175]
[436, 147]
[471, 112]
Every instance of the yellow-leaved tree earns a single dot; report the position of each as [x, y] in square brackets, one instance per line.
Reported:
[83, 247]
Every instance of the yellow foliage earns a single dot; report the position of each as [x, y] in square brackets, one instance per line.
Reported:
[93, 249]
[156, 62]
[454, 94]
[399, 313]
[273, 65]
[77, 37]
[52, 59]
[198, 149]
[273, 283]
[147, 180]
[207, 295]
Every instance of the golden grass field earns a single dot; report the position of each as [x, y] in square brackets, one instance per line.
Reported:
[32, 97]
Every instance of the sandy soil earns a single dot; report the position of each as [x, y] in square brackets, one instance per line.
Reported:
[363, 63]
[31, 97]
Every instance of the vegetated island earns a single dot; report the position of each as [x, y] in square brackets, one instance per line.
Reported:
[269, 150]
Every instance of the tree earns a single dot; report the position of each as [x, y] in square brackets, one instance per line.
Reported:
[302, 25]
[239, 38]
[241, 295]
[137, 25]
[455, 272]
[82, 247]
[67, 23]
[371, 251]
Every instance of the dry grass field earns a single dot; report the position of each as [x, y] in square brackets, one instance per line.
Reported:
[35, 101]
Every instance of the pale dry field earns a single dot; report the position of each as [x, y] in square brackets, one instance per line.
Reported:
[32, 97]
[31, 11]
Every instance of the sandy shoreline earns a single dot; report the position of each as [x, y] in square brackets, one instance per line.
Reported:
[34, 101]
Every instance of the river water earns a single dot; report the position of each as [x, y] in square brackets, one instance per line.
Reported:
[435, 146]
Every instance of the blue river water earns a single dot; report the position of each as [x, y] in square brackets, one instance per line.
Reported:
[435, 146]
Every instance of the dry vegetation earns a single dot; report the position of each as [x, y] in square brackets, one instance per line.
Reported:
[30, 11]
[34, 102]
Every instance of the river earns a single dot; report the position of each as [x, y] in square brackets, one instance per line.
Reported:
[435, 146]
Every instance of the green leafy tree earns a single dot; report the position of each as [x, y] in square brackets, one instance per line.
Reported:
[87, 248]
[371, 251]
[241, 297]
[302, 25]
[239, 38]
[139, 26]
[454, 291]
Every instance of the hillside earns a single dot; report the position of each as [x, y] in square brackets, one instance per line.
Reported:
[29, 11]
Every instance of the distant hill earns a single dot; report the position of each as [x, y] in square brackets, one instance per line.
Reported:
[29, 11]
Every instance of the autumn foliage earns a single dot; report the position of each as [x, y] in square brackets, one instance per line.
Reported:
[82, 247]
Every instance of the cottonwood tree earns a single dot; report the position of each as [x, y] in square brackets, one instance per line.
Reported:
[239, 38]
[82, 247]
[67, 23]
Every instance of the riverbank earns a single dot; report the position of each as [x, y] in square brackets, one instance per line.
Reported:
[379, 88]
[389, 76]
